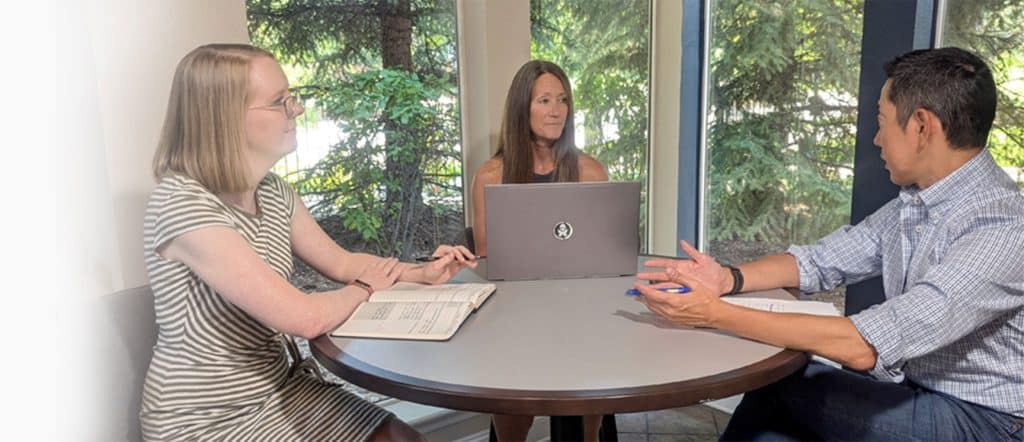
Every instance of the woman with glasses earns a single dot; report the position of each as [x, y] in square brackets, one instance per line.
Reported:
[220, 232]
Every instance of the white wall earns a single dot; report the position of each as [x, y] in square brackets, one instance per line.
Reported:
[131, 49]
[29, 219]
[115, 62]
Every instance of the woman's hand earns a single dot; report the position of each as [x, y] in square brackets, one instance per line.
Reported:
[450, 260]
[381, 274]
[699, 267]
[696, 308]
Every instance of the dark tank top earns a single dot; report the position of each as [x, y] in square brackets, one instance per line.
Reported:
[546, 178]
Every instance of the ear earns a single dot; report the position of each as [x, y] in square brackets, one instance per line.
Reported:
[926, 125]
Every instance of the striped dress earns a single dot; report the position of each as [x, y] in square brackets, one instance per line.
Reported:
[217, 373]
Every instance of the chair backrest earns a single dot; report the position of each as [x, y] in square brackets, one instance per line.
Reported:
[470, 243]
[128, 333]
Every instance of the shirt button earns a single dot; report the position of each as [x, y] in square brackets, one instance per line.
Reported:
[918, 229]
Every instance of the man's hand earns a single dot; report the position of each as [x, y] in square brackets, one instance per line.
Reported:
[697, 308]
[700, 267]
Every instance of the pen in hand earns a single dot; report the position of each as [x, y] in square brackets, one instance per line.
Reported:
[435, 258]
[635, 292]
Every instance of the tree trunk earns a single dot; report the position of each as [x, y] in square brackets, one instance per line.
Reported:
[396, 34]
[406, 198]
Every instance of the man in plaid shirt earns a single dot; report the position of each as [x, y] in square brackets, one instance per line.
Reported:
[943, 357]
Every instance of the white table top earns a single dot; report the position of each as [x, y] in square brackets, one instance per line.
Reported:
[555, 338]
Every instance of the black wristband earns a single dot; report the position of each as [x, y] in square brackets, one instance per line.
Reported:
[737, 280]
[363, 285]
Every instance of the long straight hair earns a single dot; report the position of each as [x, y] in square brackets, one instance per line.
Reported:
[203, 136]
[515, 146]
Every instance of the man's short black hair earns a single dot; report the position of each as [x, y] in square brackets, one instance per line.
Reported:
[951, 83]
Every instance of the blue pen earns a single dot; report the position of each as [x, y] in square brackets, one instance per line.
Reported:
[684, 289]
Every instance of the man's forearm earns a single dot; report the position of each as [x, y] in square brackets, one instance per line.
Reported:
[834, 338]
[770, 272]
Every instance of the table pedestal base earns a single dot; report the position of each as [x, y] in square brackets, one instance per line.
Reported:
[570, 428]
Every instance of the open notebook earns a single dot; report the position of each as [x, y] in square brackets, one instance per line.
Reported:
[785, 305]
[415, 311]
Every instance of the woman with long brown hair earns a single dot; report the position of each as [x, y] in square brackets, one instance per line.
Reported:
[536, 143]
[536, 146]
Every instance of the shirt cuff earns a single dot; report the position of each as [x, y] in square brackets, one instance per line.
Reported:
[877, 325]
[807, 285]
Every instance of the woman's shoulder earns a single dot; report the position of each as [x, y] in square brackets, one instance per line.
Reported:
[489, 172]
[276, 184]
[180, 195]
[591, 169]
[178, 185]
[280, 190]
[179, 204]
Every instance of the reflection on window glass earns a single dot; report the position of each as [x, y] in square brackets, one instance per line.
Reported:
[995, 30]
[604, 47]
[379, 160]
[781, 113]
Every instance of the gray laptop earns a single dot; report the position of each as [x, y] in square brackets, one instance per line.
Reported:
[562, 230]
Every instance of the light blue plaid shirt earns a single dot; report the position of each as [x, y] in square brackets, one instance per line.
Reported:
[952, 261]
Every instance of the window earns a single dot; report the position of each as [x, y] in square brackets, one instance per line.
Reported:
[995, 30]
[604, 48]
[379, 160]
[781, 112]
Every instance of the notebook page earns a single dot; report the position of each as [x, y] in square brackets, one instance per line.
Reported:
[785, 306]
[410, 320]
[411, 292]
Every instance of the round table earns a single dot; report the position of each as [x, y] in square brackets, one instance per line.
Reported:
[561, 348]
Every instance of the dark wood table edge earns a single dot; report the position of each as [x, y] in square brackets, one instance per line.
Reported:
[556, 403]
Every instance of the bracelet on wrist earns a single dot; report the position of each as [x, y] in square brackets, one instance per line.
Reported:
[361, 284]
[737, 280]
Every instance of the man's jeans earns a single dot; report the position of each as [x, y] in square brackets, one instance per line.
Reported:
[820, 402]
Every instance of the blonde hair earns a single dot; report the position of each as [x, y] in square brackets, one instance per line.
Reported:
[203, 136]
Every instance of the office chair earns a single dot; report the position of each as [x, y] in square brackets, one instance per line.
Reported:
[470, 243]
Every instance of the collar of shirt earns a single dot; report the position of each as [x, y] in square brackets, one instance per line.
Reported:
[945, 192]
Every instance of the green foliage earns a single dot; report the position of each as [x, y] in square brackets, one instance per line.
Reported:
[993, 28]
[782, 104]
[782, 117]
[351, 179]
[398, 165]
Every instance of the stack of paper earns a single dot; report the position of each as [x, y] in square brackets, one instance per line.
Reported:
[785, 305]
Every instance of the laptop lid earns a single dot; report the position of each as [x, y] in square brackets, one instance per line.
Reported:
[562, 230]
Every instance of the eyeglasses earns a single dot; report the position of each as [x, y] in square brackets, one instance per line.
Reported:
[290, 105]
